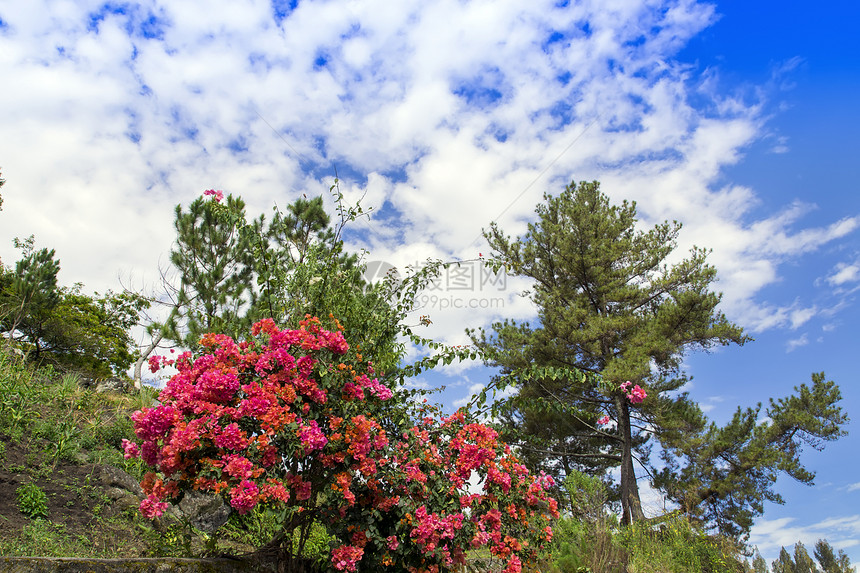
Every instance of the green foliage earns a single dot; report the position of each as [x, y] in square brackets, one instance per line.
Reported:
[29, 294]
[801, 562]
[587, 497]
[317, 547]
[260, 526]
[234, 272]
[299, 267]
[62, 325]
[608, 304]
[723, 475]
[32, 501]
[590, 540]
[676, 545]
[303, 269]
[829, 561]
[759, 564]
[214, 259]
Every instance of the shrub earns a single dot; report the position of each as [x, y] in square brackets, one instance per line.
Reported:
[32, 501]
[282, 423]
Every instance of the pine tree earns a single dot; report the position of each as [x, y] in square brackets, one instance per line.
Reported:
[829, 561]
[723, 475]
[784, 563]
[30, 295]
[759, 564]
[214, 258]
[610, 305]
[803, 563]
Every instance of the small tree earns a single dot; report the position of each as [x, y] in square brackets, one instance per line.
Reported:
[214, 258]
[30, 295]
[783, 563]
[759, 565]
[92, 333]
[609, 305]
[829, 561]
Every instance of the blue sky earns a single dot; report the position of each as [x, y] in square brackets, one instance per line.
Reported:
[736, 118]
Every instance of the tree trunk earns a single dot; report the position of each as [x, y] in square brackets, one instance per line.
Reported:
[156, 338]
[631, 506]
[138, 366]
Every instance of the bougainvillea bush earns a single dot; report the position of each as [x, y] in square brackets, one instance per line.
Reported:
[282, 422]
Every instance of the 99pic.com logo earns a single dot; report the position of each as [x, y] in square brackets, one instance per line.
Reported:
[455, 286]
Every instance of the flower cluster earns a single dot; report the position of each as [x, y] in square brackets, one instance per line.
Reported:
[284, 421]
[216, 195]
[636, 395]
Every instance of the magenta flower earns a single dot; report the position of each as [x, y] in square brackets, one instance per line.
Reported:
[244, 496]
[345, 557]
[151, 508]
[312, 437]
[603, 421]
[130, 448]
[217, 195]
[636, 395]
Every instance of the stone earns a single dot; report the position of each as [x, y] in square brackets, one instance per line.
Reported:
[204, 511]
[111, 478]
[112, 385]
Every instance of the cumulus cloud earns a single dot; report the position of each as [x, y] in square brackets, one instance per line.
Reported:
[442, 116]
[771, 534]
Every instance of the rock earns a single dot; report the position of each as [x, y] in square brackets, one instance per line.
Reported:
[111, 478]
[204, 511]
[112, 385]
[122, 500]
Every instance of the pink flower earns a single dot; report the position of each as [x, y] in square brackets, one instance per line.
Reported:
[155, 363]
[151, 508]
[303, 490]
[603, 421]
[312, 437]
[393, 542]
[501, 478]
[239, 467]
[130, 448]
[346, 557]
[514, 565]
[217, 195]
[637, 395]
[232, 438]
[244, 496]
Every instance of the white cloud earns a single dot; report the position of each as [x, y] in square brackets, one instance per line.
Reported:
[444, 116]
[844, 273]
[796, 343]
[473, 389]
[771, 534]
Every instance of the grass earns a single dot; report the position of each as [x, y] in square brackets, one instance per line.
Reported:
[590, 540]
[54, 435]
